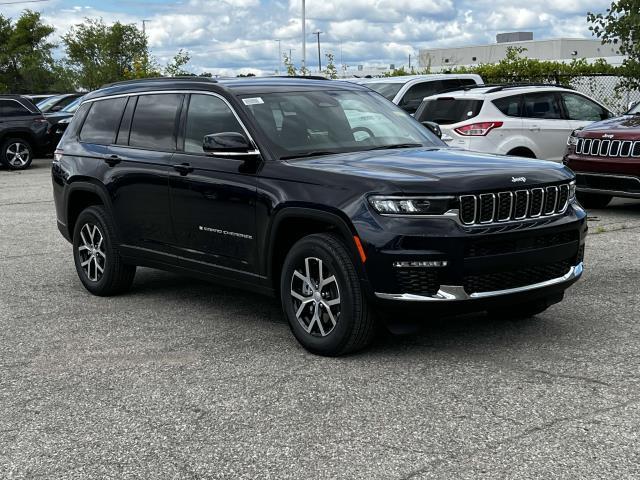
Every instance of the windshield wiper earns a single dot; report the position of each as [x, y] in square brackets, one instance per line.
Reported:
[317, 153]
[397, 145]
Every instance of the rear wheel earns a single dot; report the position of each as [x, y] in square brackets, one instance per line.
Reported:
[98, 263]
[593, 200]
[322, 297]
[16, 154]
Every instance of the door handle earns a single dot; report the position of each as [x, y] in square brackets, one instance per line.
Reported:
[112, 160]
[183, 168]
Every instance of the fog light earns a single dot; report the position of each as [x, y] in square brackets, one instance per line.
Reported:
[421, 264]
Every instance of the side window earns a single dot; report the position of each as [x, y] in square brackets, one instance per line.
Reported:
[467, 81]
[154, 121]
[542, 105]
[581, 108]
[414, 96]
[206, 115]
[510, 106]
[11, 108]
[102, 121]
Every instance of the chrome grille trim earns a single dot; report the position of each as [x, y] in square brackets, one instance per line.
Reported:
[595, 147]
[494, 203]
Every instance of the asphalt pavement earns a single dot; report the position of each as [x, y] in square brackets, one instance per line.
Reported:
[184, 379]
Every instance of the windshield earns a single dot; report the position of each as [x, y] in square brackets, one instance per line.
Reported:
[45, 104]
[310, 123]
[73, 106]
[387, 90]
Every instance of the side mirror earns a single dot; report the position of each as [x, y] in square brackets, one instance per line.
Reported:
[434, 127]
[631, 105]
[228, 144]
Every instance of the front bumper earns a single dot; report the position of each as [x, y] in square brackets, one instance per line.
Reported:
[448, 293]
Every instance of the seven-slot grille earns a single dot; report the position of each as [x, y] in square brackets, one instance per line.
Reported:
[596, 147]
[506, 206]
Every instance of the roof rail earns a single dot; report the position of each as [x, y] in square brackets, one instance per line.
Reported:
[496, 87]
[160, 79]
[304, 77]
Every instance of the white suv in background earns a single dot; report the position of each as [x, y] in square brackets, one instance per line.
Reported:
[408, 91]
[529, 121]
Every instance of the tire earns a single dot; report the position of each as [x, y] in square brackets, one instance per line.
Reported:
[519, 312]
[593, 200]
[98, 263]
[16, 154]
[335, 319]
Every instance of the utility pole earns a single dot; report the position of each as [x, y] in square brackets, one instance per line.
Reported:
[409, 62]
[304, 35]
[279, 56]
[144, 26]
[317, 34]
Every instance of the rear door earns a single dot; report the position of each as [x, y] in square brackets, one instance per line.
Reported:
[547, 128]
[135, 152]
[213, 199]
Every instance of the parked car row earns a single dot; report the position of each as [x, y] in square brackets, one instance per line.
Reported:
[27, 129]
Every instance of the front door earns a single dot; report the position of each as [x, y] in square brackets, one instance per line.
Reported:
[213, 198]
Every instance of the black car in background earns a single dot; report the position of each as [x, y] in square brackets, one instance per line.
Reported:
[57, 102]
[320, 192]
[24, 132]
[60, 120]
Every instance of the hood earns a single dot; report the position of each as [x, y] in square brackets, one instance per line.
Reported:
[627, 126]
[441, 170]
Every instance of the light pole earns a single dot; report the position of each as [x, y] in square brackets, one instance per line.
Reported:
[317, 34]
[304, 36]
[144, 26]
[279, 56]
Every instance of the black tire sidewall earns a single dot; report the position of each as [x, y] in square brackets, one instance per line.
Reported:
[3, 154]
[92, 215]
[338, 338]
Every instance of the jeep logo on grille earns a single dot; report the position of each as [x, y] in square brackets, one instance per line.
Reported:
[518, 179]
[607, 135]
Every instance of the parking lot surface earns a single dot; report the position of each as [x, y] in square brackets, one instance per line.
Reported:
[185, 379]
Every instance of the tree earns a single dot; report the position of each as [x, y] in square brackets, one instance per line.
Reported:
[330, 71]
[288, 63]
[101, 54]
[175, 67]
[619, 26]
[26, 62]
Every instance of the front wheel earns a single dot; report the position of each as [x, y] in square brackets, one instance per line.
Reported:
[593, 200]
[322, 297]
[16, 154]
[98, 263]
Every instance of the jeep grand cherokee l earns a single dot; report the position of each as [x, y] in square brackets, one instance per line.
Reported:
[320, 192]
[606, 159]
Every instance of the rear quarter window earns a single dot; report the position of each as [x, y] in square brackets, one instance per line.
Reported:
[102, 121]
[448, 110]
[510, 106]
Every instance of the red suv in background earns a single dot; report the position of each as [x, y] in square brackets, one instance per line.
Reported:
[606, 159]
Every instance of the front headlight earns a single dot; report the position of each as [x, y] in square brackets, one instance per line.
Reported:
[573, 138]
[411, 205]
[572, 191]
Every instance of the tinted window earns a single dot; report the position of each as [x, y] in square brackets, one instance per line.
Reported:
[448, 110]
[581, 108]
[414, 96]
[206, 115]
[542, 105]
[11, 108]
[154, 120]
[102, 121]
[510, 106]
[387, 90]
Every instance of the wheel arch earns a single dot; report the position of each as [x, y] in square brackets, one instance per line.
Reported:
[293, 223]
[81, 194]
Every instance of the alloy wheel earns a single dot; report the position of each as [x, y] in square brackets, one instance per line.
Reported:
[17, 154]
[91, 252]
[316, 297]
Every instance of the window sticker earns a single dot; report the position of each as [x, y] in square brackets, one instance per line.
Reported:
[253, 101]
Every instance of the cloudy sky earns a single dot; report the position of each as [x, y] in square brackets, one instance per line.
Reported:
[239, 36]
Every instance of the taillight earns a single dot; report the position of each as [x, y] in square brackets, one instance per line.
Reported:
[477, 129]
[40, 120]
